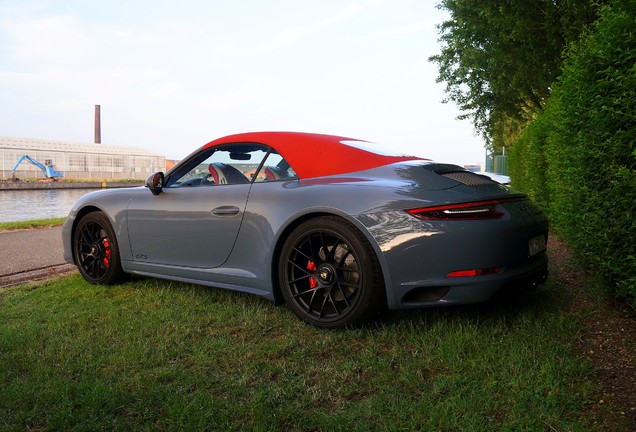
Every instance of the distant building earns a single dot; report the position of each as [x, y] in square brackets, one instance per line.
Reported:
[170, 163]
[78, 161]
[473, 167]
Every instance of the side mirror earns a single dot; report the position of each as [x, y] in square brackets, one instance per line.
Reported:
[155, 183]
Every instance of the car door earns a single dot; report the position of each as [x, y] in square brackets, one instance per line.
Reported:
[196, 218]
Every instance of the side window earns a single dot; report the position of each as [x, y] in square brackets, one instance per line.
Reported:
[275, 168]
[227, 164]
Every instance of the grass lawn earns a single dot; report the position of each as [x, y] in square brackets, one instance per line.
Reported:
[35, 223]
[156, 355]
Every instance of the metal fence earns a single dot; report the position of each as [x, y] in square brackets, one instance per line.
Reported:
[497, 164]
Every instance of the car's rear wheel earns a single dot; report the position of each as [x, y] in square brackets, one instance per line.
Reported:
[329, 274]
[96, 250]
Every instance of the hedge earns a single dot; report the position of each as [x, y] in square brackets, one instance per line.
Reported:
[528, 165]
[578, 158]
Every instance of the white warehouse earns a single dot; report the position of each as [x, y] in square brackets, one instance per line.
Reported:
[78, 161]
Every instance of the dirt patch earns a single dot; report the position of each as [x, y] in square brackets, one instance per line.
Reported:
[607, 340]
[36, 275]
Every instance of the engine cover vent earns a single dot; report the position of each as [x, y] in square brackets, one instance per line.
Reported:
[467, 178]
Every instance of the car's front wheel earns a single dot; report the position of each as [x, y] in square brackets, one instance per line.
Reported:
[96, 250]
[329, 274]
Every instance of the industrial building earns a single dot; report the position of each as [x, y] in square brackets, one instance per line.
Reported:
[76, 160]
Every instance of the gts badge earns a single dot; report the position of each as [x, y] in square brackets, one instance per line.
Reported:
[141, 257]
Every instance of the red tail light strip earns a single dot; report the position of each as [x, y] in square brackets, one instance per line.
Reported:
[475, 272]
[465, 211]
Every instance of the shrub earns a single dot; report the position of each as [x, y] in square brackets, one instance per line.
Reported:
[528, 165]
[589, 149]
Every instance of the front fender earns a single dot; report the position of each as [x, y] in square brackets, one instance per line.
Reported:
[114, 204]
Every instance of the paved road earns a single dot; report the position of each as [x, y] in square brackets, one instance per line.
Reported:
[34, 254]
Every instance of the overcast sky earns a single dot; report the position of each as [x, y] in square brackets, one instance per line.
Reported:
[171, 76]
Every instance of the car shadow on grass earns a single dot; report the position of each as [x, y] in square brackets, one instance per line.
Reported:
[506, 307]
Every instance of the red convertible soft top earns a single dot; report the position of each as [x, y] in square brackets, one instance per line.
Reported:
[316, 155]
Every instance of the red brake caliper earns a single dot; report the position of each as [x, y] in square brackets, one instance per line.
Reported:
[106, 244]
[313, 282]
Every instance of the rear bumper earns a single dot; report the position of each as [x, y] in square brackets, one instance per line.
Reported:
[466, 290]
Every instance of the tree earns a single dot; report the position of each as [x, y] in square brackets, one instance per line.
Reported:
[500, 58]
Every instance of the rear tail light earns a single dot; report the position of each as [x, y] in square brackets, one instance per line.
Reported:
[465, 211]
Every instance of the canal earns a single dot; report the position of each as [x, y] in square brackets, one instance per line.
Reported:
[21, 205]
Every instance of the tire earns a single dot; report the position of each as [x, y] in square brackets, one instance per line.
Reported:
[96, 250]
[329, 275]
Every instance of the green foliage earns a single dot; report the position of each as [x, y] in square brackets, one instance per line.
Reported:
[527, 163]
[587, 137]
[156, 355]
[499, 59]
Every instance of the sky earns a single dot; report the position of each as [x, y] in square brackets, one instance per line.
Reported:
[171, 76]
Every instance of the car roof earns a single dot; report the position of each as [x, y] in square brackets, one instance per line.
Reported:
[317, 155]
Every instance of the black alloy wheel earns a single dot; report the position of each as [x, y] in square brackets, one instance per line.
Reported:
[329, 274]
[96, 251]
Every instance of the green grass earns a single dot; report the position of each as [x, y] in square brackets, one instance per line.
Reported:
[35, 223]
[156, 355]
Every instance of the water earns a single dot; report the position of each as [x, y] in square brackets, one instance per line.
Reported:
[20, 205]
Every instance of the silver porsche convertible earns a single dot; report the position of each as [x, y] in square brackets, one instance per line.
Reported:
[337, 228]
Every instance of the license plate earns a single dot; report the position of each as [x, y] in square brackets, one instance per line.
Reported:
[537, 244]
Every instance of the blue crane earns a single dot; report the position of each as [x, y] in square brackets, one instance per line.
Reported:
[48, 168]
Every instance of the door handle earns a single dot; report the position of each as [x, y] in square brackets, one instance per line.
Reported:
[226, 211]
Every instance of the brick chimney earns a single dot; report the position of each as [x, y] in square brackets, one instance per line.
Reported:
[98, 125]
